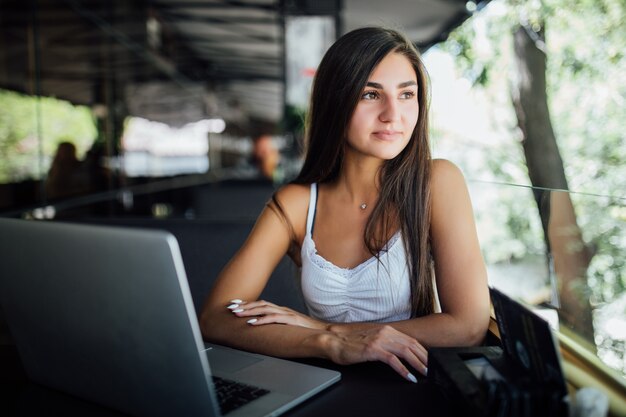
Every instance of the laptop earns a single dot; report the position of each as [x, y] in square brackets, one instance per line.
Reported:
[529, 343]
[105, 314]
[523, 378]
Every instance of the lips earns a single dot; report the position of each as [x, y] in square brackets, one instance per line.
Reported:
[387, 135]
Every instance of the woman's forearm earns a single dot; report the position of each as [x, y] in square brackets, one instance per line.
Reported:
[439, 329]
[286, 341]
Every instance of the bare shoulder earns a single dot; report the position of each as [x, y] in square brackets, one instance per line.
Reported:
[294, 203]
[448, 189]
[447, 180]
[293, 193]
[445, 172]
[294, 198]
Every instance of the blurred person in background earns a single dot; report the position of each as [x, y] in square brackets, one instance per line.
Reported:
[66, 177]
[265, 156]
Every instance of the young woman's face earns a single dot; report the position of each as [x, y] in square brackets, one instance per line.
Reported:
[387, 111]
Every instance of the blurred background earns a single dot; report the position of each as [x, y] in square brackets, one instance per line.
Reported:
[191, 112]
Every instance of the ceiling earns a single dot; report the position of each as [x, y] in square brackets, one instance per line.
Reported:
[223, 56]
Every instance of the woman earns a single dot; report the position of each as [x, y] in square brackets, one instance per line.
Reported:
[372, 221]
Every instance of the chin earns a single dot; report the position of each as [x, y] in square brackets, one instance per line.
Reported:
[388, 154]
[383, 151]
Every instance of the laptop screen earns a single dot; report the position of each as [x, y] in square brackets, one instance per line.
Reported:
[528, 341]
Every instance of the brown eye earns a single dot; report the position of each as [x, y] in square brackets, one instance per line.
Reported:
[369, 95]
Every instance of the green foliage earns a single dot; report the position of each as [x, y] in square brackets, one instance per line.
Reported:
[31, 129]
[584, 42]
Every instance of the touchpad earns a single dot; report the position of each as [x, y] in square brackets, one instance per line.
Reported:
[229, 361]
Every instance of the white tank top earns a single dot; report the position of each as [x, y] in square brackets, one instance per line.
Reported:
[374, 291]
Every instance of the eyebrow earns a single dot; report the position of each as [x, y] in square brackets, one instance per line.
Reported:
[380, 86]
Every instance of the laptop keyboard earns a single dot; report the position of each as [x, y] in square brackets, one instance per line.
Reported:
[232, 395]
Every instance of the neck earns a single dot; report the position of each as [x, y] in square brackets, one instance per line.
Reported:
[359, 181]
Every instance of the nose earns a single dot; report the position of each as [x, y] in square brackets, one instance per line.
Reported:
[390, 111]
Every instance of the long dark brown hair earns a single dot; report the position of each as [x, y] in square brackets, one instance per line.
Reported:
[404, 199]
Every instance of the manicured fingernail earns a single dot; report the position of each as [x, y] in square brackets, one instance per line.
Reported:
[232, 306]
[425, 371]
[238, 310]
[251, 321]
[236, 301]
[411, 378]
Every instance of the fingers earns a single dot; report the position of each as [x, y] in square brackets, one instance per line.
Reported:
[257, 308]
[407, 353]
[387, 345]
[421, 352]
[398, 366]
[272, 318]
[393, 352]
[237, 304]
[403, 347]
[261, 312]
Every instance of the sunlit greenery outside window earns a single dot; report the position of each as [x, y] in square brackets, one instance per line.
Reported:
[583, 43]
[31, 129]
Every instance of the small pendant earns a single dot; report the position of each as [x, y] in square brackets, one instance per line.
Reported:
[363, 206]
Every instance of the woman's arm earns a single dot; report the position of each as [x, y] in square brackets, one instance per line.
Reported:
[459, 269]
[244, 278]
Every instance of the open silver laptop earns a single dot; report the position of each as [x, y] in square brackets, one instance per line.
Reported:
[106, 314]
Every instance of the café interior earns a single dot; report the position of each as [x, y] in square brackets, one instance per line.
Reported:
[187, 115]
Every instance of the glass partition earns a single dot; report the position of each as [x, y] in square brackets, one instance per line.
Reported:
[101, 98]
[532, 109]
[574, 277]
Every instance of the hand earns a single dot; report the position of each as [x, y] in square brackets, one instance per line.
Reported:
[384, 344]
[263, 312]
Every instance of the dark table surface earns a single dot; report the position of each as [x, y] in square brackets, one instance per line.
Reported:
[369, 389]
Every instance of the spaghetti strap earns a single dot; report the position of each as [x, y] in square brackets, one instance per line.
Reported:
[310, 220]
